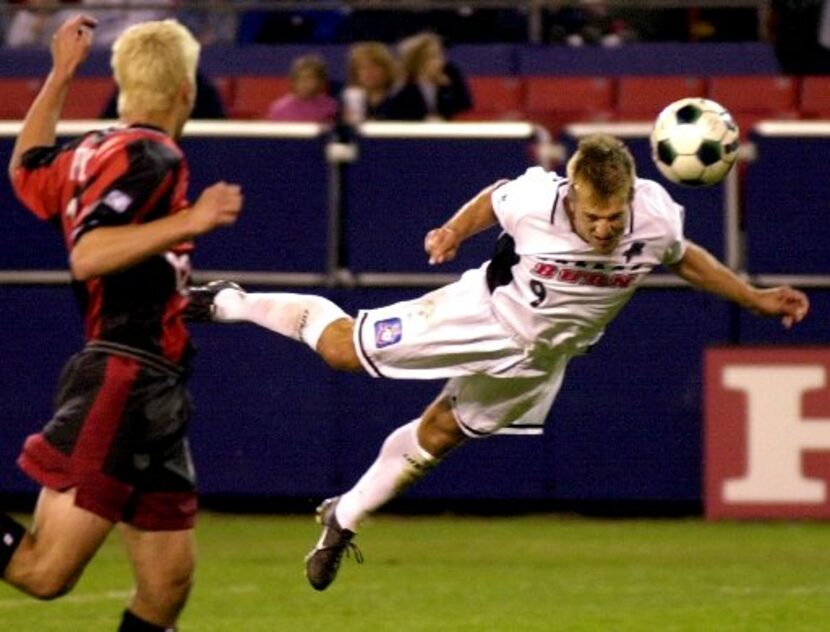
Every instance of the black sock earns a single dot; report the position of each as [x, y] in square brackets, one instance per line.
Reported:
[131, 623]
[11, 534]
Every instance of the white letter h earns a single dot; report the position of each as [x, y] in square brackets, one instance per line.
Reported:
[777, 434]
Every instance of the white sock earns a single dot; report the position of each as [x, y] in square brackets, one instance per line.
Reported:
[401, 462]
[302, 317]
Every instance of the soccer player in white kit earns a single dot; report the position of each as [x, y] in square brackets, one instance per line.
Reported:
[572, 253]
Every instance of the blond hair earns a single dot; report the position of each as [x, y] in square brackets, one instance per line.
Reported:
[416, 50]
[149, 62]
[605, 164]
[377, 53]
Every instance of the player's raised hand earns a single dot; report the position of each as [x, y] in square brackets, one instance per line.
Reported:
[441, 244]
[218, 205]
[786, 303]
[71, 44]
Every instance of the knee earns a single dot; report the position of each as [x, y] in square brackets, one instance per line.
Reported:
[47, 585]
[336, 346]
[168, 592]
[438, 432]
[341, 357]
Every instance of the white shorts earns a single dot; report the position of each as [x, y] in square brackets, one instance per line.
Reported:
[452, 333]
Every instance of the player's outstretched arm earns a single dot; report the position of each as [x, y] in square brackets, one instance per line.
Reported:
[703, 271]
[112, 248]
[442, 243]
[70, 47]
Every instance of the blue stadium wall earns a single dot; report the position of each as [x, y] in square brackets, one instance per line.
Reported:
[272, 421]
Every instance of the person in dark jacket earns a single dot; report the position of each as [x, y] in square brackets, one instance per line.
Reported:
[433, 88]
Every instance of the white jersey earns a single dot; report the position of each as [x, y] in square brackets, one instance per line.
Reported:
[561, 294]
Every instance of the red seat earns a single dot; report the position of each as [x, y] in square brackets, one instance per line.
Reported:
[87, 97]
[17, 96]
[556, 101]
[495, 98]
[751, 98]
[815, 97]
[226, 87]
[642, 97]
[253, 94]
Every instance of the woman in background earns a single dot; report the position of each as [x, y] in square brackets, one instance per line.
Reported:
[372, 78]
[434, 88]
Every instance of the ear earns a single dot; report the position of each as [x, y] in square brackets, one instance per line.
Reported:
[187, 90]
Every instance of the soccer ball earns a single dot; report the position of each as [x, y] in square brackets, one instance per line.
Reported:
[694, 142]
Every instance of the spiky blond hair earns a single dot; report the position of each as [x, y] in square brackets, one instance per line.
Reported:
[149, 62]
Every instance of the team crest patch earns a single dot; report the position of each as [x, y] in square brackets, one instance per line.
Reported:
[118, 201]
[388, 332]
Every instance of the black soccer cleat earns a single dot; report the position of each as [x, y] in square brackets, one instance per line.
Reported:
[200, 307]
[322, 563]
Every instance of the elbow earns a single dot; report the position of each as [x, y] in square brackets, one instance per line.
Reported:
[80, 268]
[82, 264]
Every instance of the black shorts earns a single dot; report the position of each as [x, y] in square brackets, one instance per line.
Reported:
[118, 438]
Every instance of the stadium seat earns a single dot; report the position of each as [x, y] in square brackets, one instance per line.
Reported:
[557, 101]
[814, 101]
[87, 97]
[253, 94]
[495, 98]
[18, 94]
[640, 98]
[226, 87]
[752, 98]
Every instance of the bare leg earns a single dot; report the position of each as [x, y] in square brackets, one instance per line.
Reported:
[61, 542]
[163, 564]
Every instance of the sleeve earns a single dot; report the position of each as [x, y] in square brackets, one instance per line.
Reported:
[125, 187]
[36, 183]
[674, 215]
[529, 193]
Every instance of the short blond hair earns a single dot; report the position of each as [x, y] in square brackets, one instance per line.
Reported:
[149, 62]
[604, 163]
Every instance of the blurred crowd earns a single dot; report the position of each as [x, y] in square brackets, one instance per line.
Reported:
[573, 23]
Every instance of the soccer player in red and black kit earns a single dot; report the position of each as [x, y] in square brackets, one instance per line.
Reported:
[115, 452]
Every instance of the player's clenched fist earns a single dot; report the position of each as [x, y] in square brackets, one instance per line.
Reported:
[71, 43]
[218, 205]
[441, 244]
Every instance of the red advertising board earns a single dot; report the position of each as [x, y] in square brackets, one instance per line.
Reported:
[767, 433]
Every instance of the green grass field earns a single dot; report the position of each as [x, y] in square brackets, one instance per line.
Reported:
[539, 572]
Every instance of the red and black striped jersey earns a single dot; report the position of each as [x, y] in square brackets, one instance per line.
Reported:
[115, 177]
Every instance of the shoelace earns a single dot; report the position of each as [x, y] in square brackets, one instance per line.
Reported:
[358, 554]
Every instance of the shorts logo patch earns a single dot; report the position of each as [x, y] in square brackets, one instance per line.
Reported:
[388, 332]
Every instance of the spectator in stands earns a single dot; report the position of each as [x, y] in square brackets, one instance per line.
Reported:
[308, 100]
[32, 25]
[217, 25]
[209, 103]
[433, 88]
[113, 21]
[372, 78]
[588, 22]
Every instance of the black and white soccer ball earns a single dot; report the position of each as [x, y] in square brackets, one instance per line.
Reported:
[694, 142]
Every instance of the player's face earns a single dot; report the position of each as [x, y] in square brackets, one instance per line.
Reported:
[600, 222]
